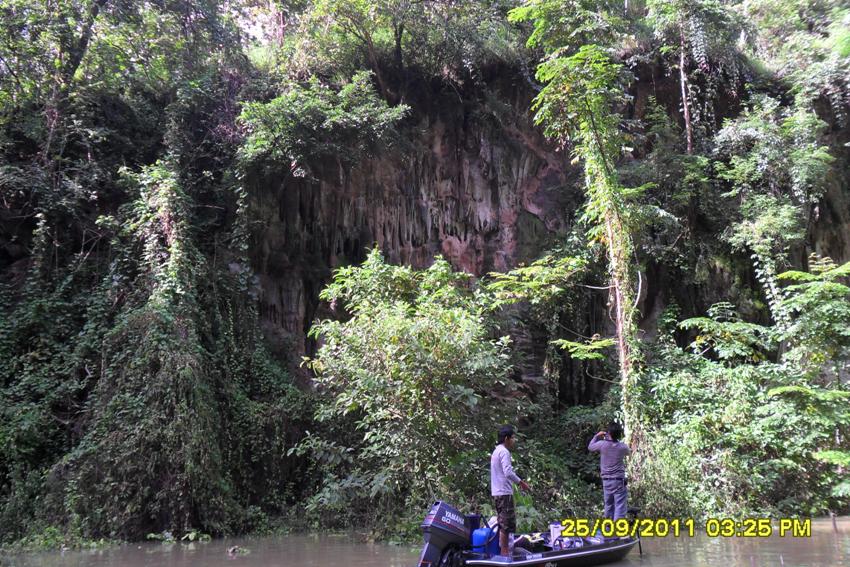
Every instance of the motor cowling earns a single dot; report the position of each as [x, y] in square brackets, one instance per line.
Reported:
[442, 528]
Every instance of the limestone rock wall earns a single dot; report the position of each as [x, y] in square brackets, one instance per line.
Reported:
[486, 198]
[478, 185]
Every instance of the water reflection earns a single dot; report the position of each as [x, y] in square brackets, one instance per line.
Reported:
[825, 548]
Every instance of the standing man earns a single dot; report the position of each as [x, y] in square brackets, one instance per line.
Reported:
[612, 453]
[502, 479]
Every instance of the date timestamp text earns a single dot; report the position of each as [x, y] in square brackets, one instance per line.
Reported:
[662, 527]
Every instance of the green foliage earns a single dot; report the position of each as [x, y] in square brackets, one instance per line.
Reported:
[701, 36]
[454, 41]
[707, 31]
[154, 434]
[578, 99]
[551, 296]
[577, 105]
[62, 55]
[775, 150]
[583, 86]
[769, 225]
[408, 384]
[732, 340]
[730, 418]
[708, 27]
[677, 185]
[138, 397]
[557, 24]
[840, 458]
[307, 123]
[720, 442]
[778, 168]
[826, 405]
[805, 42]
[543, 281]
[670, 481]
[585, 351]
[677, 175]
[818, 336]
[48, 336]
[52, 538]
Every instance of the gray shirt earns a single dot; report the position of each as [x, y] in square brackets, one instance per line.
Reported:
[502, 475]
[611, 456]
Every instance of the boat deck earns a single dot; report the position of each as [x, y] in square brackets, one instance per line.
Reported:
[600, 554]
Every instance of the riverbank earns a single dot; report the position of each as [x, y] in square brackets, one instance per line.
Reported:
[52, 540]
[284, 549]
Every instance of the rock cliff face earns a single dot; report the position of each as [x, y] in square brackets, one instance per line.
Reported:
[830, 231]
[484, 196]
[474, 181]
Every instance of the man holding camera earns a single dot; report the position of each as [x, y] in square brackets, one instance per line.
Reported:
[612, 454]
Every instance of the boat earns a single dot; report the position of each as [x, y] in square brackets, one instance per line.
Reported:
[593, 553]
[454, 540]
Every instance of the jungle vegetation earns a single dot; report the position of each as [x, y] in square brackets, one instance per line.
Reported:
[138, 393]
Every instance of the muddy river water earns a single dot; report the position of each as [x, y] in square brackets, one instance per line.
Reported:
[826, 547]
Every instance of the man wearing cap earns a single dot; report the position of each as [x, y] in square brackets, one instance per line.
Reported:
[502, 479]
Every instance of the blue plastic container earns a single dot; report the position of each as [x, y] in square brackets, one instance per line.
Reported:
[479, 539]
[484, 540]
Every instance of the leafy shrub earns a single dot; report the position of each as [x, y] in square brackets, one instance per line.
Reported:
[311, 122]
[408, 386]
[721, 428]
[144, 401]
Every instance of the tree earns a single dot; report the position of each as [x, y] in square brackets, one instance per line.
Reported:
[316, 121]
[807, 44]
[776, 166]
[52, 49]
[64, 33]
[407, 382]
[818, 304]
[703, 32]
[363, 19]
[577, 105]
[400, 39]
[146, 347]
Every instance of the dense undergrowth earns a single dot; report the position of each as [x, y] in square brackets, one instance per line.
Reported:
[138, 393]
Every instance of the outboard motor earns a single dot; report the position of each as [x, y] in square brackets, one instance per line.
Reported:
[442, 528]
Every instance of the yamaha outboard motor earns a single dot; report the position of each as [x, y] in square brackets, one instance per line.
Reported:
[443, 527]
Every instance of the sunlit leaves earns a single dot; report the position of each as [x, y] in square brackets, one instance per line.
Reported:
[707, 27]
[774, 161]
[317, 120]
[559, 23]
[818, 335]
[544, 280]
[775, 150]
[805, 42]
[450, 40]
[593, 349]
[413, 370]
[732, 340]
